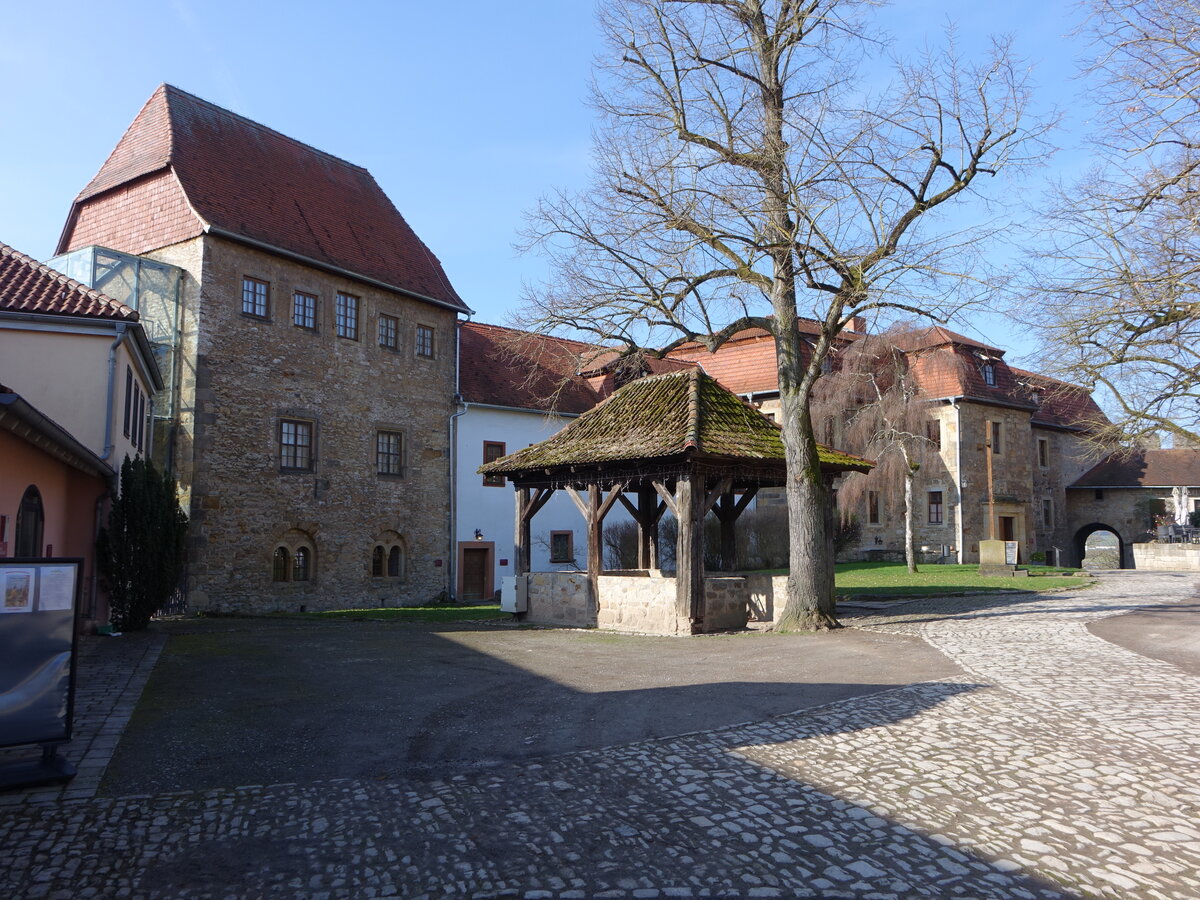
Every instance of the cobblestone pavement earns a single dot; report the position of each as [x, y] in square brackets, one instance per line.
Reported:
[1058, 766]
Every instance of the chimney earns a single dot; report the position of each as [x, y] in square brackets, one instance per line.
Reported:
[859, 324]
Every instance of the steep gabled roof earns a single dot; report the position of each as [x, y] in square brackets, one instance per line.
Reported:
[1145, 468]
[1062, 405]
[660, 417]
[506, 367]
[249, 182]
[29, 286]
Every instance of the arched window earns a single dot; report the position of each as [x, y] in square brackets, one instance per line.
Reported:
[301, 564]
[377, 562]
[279, 569]
[30, 521]
[395, 563]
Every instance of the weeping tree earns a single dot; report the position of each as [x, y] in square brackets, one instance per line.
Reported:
[1116, 282]
[757, 161]
[140, 554]
[884, 414]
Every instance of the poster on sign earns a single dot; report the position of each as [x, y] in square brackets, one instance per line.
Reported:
[38, 598]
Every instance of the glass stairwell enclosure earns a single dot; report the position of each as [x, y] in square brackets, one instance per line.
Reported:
[152, 288]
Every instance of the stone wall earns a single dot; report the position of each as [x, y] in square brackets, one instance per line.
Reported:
[560, 598]
[241, 375]
[1167, 557]
[640, 602]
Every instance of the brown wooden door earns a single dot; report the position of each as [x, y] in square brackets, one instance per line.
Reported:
[1008, 529]
[475, 564]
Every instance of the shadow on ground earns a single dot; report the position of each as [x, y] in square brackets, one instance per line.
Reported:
[240, 702]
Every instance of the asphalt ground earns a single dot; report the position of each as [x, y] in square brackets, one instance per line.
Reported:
[1167, 633]
[236, 702]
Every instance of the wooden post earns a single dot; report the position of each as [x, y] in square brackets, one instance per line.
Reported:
[689, 552]
[595, 529]
[647, 504]
[521, 536]
[727, 517]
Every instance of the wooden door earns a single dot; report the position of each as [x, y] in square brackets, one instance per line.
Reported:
[475, 564]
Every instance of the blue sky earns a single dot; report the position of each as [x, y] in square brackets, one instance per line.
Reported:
[465, 112]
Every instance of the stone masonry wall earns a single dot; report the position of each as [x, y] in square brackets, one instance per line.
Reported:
[560, 598]
[242, 375]
[1167, 557]
[640, 603]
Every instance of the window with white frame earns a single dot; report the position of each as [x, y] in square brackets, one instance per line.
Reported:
[424, 341]
[304, 310]
[345, 316]
[389, 452]
[255, 297]
[389, 332]
[295, 444]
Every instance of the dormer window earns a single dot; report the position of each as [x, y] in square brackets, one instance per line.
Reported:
[989, 374]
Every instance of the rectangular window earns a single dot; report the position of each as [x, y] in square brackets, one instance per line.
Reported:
[989, 374]
[389, 332]
[933, 432]
[254, 297]
[873, 507]
[140, 425]
[935, 507]
[996, 437]
[389, 453]
[128, 399]
[1048, 512]
[493, 450]
[295, 444]
[345, 316]
[1043, 452]
[304, 310]
[1098, 494]
[425, 341]
[562, 546]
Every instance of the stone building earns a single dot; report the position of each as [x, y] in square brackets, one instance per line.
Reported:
[1127, 495]
[1033, 424]
[312, 376]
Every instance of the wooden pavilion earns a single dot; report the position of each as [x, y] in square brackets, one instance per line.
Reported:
[678, 442]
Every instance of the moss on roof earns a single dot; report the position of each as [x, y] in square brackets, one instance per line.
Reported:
[659, 417]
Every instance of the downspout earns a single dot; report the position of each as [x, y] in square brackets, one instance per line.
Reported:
[958, 478]
[109, 446]
[452, 427]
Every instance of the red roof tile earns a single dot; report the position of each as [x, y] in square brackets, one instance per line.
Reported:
[1145, 468]
[248, 181]
[29, 286]
[505, 367]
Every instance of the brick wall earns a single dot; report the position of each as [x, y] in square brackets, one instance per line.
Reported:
[143, 215]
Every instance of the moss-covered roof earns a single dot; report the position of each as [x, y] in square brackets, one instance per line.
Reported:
[660, 417]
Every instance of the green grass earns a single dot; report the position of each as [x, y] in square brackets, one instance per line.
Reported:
[891, 579]
[415, 613]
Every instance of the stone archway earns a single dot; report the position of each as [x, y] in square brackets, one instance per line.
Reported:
[1079, 545]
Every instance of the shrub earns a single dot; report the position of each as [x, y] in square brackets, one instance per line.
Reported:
[140, 553]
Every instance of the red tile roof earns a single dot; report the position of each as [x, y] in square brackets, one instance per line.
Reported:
[247, 181]
[505, 367]
[29, 286]
[1145, 468]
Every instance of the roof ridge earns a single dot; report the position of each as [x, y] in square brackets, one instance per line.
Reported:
[168, 89]
[549, 337]
[69, 283]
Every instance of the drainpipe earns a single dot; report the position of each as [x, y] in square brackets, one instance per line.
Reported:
[452, 430]
[109, 446]
[962, 549]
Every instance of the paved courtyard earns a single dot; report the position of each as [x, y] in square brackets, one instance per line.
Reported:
[1052, 763]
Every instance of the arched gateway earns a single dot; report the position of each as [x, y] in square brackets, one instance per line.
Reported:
[1080, 543]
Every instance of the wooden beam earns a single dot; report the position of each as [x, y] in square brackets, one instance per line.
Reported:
[689, 552]
[521, 534]
[722, 487]
[614, 493]
[595, 543]
[539, 500]
[580, 505]
[667, 498]
[630, 508]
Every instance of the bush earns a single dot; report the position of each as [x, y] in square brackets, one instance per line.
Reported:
[140, 553]
[1194, 518]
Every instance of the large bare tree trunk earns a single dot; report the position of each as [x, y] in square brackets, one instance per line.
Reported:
[910, 476]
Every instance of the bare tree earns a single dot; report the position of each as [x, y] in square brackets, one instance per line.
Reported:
[885, 416]
[1117, 279]
[748, 171]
